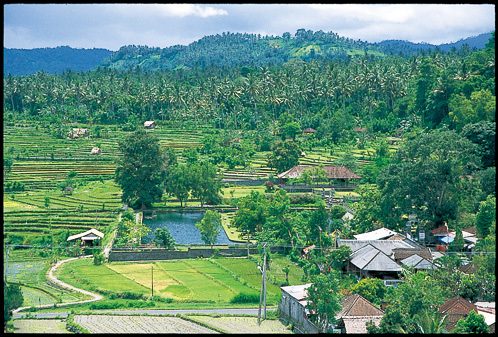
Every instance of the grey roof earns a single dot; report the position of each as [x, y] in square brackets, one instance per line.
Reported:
[417, 262]
[372, 259]
[385, 246]
[298, 292]
[378, 234]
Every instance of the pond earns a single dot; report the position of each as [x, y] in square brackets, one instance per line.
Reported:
[181, 225]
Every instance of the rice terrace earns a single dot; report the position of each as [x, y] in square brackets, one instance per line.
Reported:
[295, 181]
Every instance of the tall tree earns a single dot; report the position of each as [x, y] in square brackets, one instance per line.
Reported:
[210, 227]
[425, 177]
[142, 169]
[284, 156]
[324, 299]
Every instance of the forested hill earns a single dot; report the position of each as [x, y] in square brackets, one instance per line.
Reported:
[225, 50]
[52, 60]
[237, 49]
[401, 47]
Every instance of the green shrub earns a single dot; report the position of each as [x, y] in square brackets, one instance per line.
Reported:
[127, 295]
[245, 298]
[161, 299]
[300, 199]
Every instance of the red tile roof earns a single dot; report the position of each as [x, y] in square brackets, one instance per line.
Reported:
[356, 305]
[441, 230]
[333, 172]
[456, 308]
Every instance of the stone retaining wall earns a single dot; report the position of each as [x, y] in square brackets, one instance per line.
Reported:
[165, 254]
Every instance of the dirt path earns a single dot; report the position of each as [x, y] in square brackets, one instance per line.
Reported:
[52, 279]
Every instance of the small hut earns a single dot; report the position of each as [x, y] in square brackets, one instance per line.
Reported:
[68, 190]
[89, 238]
[149, 124]
[309, 131]
[78, 132]
[96, 150]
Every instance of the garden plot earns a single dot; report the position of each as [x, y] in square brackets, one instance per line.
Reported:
[138, 324]
[46, 326]
[240, 325]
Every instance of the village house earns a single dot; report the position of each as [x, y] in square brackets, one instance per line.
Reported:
[292, 308]
[149, 124]
[89, 238]
[78, 132]
[355, 313]
[384, 253]
[442, 237]
[456, 308]
[338, 176]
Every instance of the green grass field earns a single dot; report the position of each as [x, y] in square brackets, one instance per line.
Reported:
[190, 280]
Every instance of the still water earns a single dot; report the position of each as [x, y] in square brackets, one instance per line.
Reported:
[181, 225]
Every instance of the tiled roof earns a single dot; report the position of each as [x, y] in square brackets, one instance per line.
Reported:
[386, 246]
[372, 259]
[417, 262]
[440, 230]
[456, 308]
[378, 234]
[468, 268]
[333, 172]
[356, 305]
[471, 230]
[403, 253]
[457, 305]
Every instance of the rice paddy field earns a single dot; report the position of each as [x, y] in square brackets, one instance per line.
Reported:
[138, 324]
[30, 272]
[40, 326]
[240, 325]
[189, 280]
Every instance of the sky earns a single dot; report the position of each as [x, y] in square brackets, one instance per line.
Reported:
[111, 26]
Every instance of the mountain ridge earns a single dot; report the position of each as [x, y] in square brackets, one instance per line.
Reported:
[220, 50]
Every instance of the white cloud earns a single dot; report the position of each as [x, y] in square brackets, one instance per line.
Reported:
[168, 10]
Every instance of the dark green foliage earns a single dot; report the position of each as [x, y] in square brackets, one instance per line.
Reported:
[12, 299]
[142, 170]
[324, 299]
[372, 289]
[245, 298]
[486, 216]
[285, 155]
[251, 214]
[417, 294]
[210, 227]
[483, 134]
[163, 238]
[98, 257]
[473, 323]
[425, 176]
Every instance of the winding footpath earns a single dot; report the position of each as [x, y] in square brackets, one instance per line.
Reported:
[54, 280]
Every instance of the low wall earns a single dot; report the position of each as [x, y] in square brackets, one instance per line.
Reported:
[191, 253]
